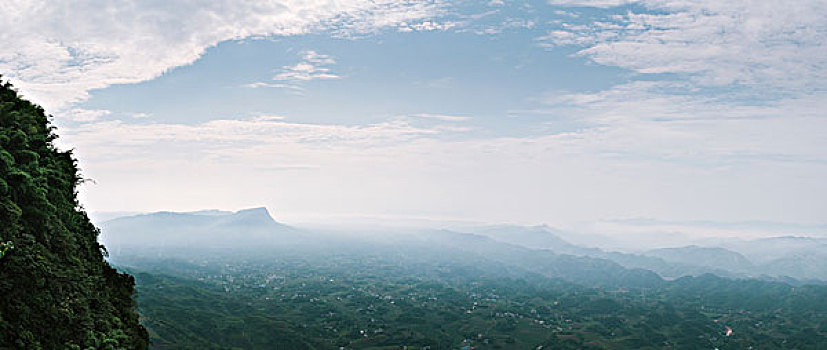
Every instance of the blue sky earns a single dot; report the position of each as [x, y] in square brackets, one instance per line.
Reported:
[494, 78]
[588, 115]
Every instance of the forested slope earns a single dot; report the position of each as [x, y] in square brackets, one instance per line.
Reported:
[56, 289]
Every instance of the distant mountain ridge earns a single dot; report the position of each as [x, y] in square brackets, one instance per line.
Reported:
[797, 257]
[209, 216]
[254, 228]
[703, 256]
[209, 229]
[536, 237]
[802, 258]
[253, 233]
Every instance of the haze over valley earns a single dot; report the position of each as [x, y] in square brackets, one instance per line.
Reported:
[493, 286]
[413, 174]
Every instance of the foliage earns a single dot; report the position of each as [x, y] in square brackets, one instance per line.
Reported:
[5, 247]
[57, 290]
[374, 301]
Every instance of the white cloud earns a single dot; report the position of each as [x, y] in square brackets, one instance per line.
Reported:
[442, 117]
[269, 118]
[743, 101]
[750, 43]
[643, 154]
[566, 13]
[118, 139]
[57, 51]
[592, 3]
[677, 150]
[260, 84]
[426, 26]
[508, 24]
[312, 67]
[84, 115]
[640, 120]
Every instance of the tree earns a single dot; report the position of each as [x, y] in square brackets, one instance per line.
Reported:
[57, 290]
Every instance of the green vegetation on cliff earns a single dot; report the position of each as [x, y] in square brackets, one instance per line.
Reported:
[56, 289]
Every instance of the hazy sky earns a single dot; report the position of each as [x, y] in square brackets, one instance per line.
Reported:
[607, 113]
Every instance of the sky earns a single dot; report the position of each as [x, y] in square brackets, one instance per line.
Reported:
[678, 117]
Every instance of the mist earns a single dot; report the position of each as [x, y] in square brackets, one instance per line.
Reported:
[398, 175]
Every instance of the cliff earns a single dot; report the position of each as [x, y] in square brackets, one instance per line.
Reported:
[56, 289]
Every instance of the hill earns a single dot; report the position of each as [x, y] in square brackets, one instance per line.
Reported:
[703, 256]
[534, 237]
[57, 290]
[791, 259]
[546, 238]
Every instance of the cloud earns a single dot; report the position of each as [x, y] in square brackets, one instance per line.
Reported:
[84, 115]
[442, 117]
[426, 26]
[312, 67]
[508, 24]
[57, 51]
[116, 138]
[738, 84]
[645, 121]
[592, 3]
[731, 127]
[641, 153]
[269, 118]
[261, 84]
[748, 43]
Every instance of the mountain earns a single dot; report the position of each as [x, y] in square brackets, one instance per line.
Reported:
[431, 288]
[765, 250]
[534, 237]
[702, 256]
[546, 238]
[254, 236]
[803, 258]
[803, 265]
[799, 258]
[209, 229]
[56, 289]
[584, 270]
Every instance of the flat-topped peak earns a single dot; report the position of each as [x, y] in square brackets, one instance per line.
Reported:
[257, 210]
[256, 213]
